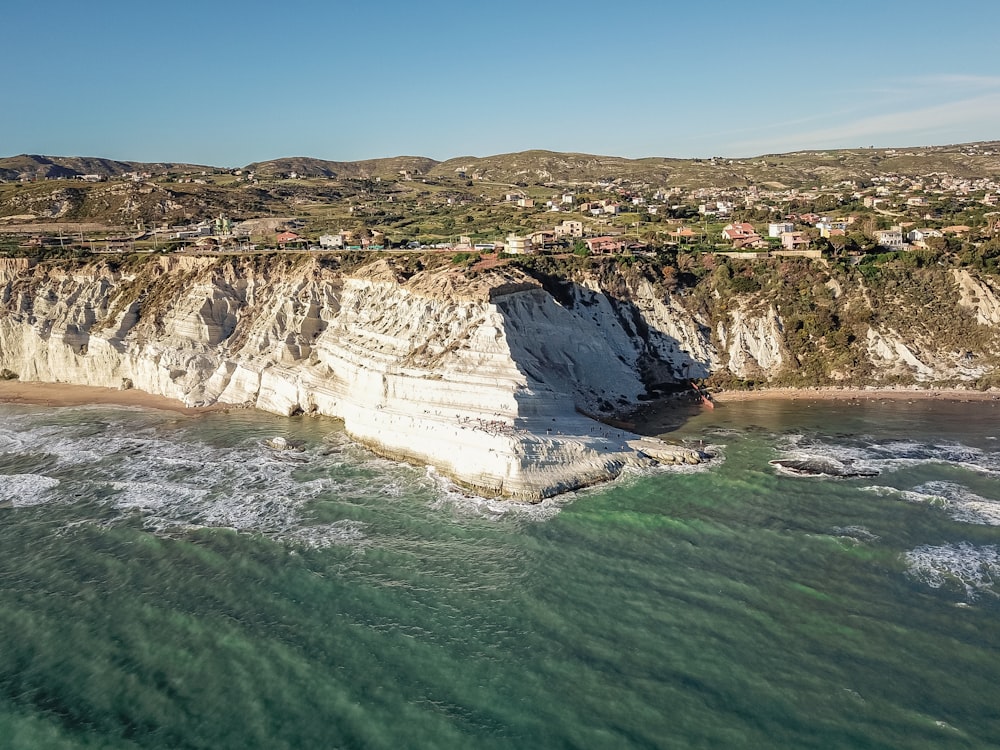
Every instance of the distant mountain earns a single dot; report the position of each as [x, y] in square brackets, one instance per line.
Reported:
[802, 168]
[35, 167]
[304, 166]
[533, 167]
[796, 169]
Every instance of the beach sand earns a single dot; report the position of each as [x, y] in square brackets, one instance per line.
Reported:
[65, 394]
[856, 394]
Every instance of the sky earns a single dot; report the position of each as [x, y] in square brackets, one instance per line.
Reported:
[228, 83]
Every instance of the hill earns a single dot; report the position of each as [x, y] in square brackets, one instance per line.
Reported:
[797, 169]
[35, 167]
[304, 166]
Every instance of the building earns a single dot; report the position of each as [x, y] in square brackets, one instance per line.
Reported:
[683, 234]
[778, 228]
[827, 227]
[794, 240]
[518, 245]
[605, 245]
[543, 238]
[919, 237]
[890, 238]
[569, 228]
[739, 231]
[284, 239]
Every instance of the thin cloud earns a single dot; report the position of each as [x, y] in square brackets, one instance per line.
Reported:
[959, 79]
[981, 111]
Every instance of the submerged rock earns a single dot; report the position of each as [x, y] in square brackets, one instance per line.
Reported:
[823, 467]
[283, 444]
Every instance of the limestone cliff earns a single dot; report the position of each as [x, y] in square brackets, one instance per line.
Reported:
[486, 375]
[481, 377]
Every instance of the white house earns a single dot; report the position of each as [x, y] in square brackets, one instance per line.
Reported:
[889, 238]
[920, 236]
[518, 245]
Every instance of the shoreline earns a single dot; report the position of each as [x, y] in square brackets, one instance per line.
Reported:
[833, 393]
[38, 393]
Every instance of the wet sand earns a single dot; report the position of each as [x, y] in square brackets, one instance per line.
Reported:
[65, 394]
[856, 394]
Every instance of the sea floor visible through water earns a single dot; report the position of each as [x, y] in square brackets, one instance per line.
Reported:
[170, 580]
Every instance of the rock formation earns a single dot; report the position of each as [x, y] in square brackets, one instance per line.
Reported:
[492, 377]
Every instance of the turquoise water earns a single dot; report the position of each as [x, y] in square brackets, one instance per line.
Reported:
[169, 581]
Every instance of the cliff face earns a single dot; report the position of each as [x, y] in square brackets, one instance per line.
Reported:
[481, 378]
[486, 377]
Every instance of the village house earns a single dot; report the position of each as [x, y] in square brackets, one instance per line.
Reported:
[794, 240]
[777, 228]
[831, 227]
[739, 231]
[516, 245]
[919, 237]
[890, 238]
[286, 239]
[331, 240]
[569, 228]
[606, 245]
[543, 238]
[683, 234]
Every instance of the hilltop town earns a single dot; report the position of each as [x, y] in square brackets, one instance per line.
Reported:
[836, 203]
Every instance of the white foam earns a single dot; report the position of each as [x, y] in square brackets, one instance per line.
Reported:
[451, 497]
[882, 457]
[26, 490]
[963, 504]
[959, 502]
[974, 569]
[910, 496]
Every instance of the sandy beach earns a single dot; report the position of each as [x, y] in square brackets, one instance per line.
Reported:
[856, 394]
[65, 394]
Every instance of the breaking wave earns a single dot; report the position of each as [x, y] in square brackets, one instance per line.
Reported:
[25, 490]
[970, 568]
[958, 501]
[178, 482]
[802, 455]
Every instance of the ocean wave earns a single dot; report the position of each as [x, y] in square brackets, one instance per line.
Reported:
[971, 568]
[26, 490]
[811, 456]
[451, 497]
[963, 504]
[958, 501]
[174, 481]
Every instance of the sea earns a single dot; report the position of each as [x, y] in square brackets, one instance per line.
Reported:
[831, 579]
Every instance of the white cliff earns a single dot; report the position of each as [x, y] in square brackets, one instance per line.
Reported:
[980, 296]
[485, 380]
[489, 376]
[753, 342]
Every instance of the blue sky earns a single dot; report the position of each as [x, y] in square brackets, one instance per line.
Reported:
[229, 83]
